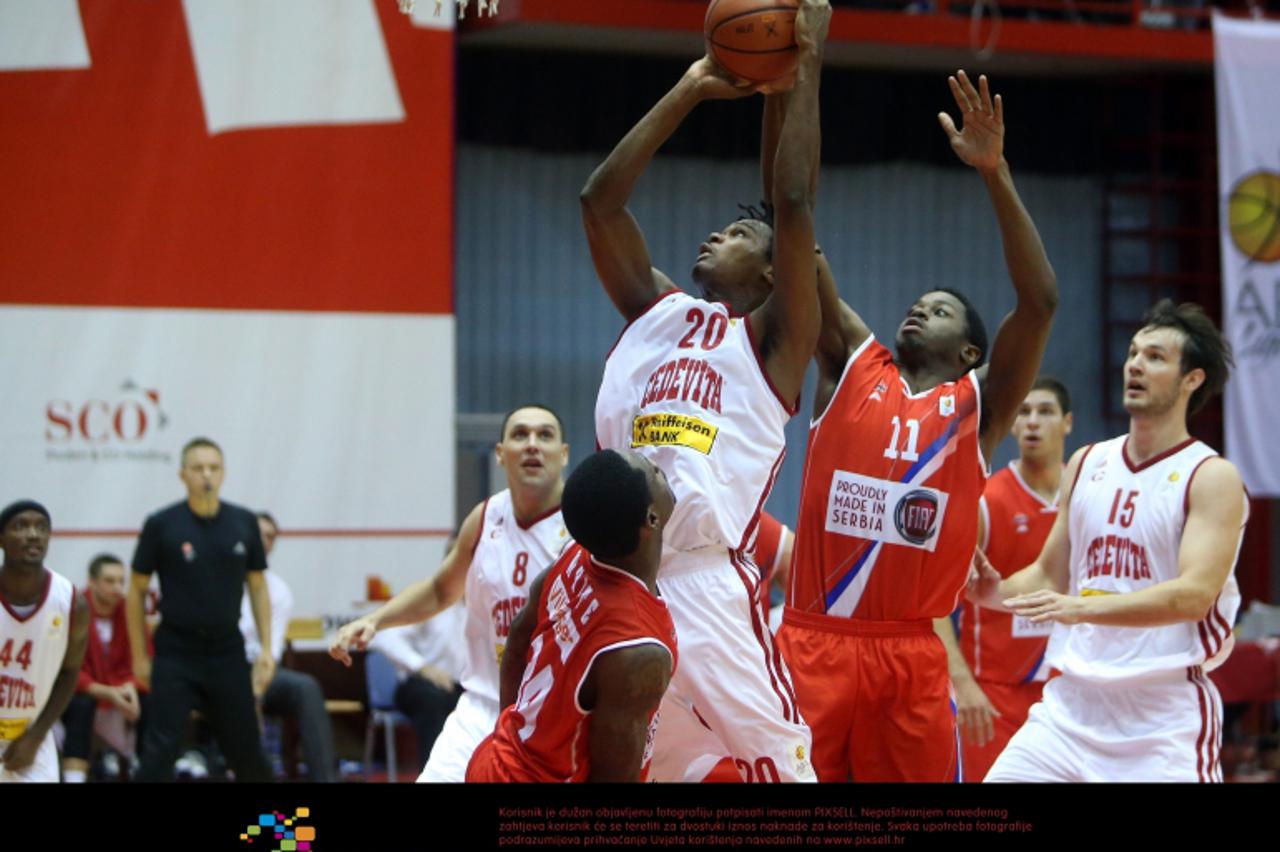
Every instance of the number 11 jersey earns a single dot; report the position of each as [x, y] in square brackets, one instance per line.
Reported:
[889, 501]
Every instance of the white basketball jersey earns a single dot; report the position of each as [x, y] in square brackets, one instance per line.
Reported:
[31, 651]
[683, 386]
[507, 558]
[1126, 530]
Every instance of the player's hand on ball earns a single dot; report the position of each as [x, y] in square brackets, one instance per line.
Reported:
[979, 141]
[715, 83]
[354, 636]
[813, 20]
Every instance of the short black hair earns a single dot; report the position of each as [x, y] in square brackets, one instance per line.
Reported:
[1204, 348]
[762, 214]
[502, 434]
[1057, 388]
[604, 504]
[975, 329]
[199, 442]
[95, 564]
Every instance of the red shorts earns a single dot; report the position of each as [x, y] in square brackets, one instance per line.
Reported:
[484, 767]
[876, 695]
[1012, 701]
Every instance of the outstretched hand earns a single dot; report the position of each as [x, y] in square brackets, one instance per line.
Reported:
[813, 20]
[979, 142]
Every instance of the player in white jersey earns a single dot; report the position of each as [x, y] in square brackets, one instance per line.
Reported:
[703, 388]
[44, 629]
[1139, 566]
[503, 544]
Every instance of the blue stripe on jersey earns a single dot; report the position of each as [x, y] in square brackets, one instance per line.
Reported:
[959, 778]
[838, 589]
[933, 450]
[1034, 668]
[913, 471]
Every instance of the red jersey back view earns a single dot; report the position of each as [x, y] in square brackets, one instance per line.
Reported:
[586, 609]
[887, 528]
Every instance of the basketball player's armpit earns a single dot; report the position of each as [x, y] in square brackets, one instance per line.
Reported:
[627, 686]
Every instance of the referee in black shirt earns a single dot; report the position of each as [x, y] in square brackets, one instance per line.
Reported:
[204, 551]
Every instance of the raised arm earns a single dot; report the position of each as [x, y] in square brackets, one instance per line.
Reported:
[1216, 514]
[618, 248]
[1019, 343]
[516, 651]
[788, 321]
[622, 690]
[420, 601]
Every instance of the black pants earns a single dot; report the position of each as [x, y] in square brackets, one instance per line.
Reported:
[219, 686]
[78, 718]
[427, 707]
[299, 696]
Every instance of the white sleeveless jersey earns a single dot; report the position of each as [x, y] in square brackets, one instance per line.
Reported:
[1126, 530]
[683, 385]
[31, 653]
[507, 558]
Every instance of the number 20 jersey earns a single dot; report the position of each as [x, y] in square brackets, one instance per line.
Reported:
[889, 502]
[684, 386]
[507, 558]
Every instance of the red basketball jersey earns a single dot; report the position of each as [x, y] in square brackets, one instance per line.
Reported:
[889, 502]
[587, 608]
[999, 646]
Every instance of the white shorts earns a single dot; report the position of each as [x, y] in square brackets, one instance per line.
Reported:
[43, 771]
[470, 722]
[731, 695]
[1167, 728]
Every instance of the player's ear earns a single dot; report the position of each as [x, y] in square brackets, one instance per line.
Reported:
[1193, 379]
[1067, 422]
[970, 354]
[653, 518]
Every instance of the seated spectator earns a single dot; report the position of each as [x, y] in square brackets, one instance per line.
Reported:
[289, 693]
[107, 699]
[428, 661]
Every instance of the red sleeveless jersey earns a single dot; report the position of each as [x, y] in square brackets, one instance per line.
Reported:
[999, 646]
[587, 608]
[889, 501]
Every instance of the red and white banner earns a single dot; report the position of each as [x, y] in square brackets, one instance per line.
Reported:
[231, 218]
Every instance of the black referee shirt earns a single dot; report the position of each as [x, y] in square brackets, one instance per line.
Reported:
[202, 563]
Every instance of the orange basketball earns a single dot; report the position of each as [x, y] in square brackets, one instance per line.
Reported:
[753, 39]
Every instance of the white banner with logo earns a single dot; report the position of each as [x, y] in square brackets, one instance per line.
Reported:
[1247, 65]
[341, 425]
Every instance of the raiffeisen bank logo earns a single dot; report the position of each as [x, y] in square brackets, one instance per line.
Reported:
[283, 833]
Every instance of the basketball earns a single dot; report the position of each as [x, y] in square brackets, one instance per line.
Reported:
[753, 39]
[1253, 213]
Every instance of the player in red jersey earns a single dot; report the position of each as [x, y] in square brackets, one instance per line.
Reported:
[894, 469]
[998, 666]
[591, 654]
